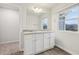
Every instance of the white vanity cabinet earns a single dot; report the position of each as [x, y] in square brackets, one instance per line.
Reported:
[46, 41]
[29, 44]
[35, 43]
[52, 40]
[39, 42]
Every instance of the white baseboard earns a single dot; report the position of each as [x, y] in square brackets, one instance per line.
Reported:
[72, 53]
[9, 42]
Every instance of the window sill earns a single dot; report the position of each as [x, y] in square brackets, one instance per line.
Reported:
[69, 31]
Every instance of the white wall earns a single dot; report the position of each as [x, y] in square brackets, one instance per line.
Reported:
[9, 25]
[66, 40]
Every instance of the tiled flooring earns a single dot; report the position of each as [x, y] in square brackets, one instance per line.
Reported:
[9, 48]
[13, 49]
[54, 51]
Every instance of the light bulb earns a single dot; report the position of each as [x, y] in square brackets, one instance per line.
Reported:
[37, 10]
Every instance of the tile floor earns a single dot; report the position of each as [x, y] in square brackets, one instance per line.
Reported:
[9, 48]
[13, 49]
[54, 51]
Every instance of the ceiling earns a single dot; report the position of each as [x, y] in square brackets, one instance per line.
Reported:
[27, 5]
[44, 6]
[47, 7]
[41, 5]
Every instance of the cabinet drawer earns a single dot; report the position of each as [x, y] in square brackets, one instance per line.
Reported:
[29, 36]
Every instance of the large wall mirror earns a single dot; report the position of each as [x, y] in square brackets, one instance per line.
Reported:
[44, 23]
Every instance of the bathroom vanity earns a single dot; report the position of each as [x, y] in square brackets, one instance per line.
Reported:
[38, 41]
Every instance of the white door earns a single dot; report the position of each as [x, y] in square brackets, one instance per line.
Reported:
[39, 42]
[46, 41]
[29, 45]
[52, 40]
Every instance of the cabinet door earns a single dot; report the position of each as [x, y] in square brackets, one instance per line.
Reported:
[52, 40]
[46, 41]
[29, 44]
[39, 43]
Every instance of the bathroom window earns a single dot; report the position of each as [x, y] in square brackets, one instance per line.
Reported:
[71, 25]
[69, 21]
[44, 24]
[61, 21]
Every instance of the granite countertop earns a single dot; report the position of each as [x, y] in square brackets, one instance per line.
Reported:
[34, 32]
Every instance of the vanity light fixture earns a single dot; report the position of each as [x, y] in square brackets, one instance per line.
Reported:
[37, 10]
